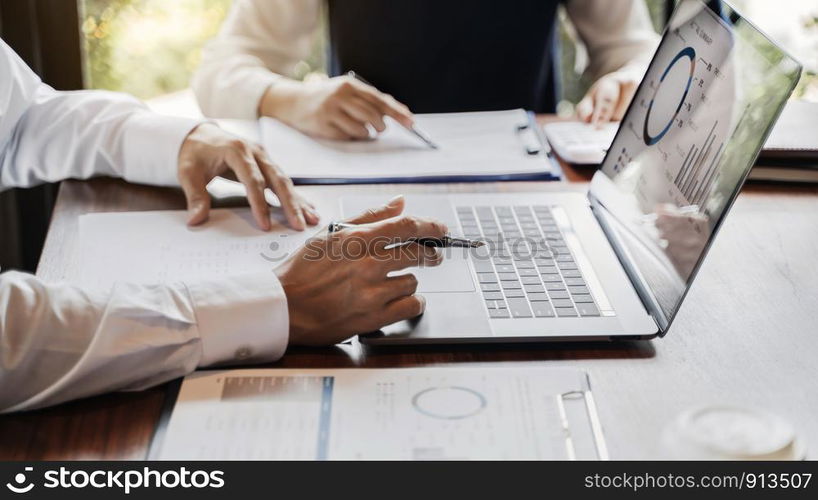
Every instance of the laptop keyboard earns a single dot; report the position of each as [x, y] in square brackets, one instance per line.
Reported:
[529, 271]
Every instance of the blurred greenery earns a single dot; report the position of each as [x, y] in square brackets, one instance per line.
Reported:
[152, 47]
[147, 47]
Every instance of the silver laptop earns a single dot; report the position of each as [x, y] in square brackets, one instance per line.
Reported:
[617, 261]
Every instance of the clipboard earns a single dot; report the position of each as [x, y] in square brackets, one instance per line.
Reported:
[524, 153]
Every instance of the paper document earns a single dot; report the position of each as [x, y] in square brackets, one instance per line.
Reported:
[470, 144]
[159, 246]
[402, 414]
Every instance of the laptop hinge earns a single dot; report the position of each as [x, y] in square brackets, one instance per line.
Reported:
[609, 226]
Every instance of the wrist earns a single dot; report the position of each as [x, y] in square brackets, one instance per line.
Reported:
[281, 99]
[295, 332]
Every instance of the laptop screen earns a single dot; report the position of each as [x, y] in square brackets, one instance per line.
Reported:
[708, 100]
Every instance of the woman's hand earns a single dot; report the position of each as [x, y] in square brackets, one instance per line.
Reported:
[339, 108]
[608, 98]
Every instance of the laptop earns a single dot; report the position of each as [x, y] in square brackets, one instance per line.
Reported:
[614, 263]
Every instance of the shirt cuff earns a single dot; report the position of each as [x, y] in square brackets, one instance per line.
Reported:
[241, 319]
[248, 88]
[151, 146]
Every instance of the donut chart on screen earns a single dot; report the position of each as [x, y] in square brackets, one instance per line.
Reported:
[689, 54]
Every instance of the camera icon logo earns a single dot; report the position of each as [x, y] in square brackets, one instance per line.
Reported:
[20, 480]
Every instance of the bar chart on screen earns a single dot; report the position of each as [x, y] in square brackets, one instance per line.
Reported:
[698, 170]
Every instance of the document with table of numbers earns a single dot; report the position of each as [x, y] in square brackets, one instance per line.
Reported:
[384, 414]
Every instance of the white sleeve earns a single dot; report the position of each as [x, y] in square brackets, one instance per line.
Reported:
[619, 35]
[259, 42]
[59, 342]
[48, 136]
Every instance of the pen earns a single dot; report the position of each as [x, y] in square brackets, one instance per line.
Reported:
[417, 131]
[444, 242]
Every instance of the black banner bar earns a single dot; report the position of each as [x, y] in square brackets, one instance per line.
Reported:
[422, 480]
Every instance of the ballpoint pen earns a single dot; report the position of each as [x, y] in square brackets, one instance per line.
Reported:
[444, 242]
[417, 131]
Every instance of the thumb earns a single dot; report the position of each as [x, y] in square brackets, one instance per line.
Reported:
[393, 208]
[198, 199]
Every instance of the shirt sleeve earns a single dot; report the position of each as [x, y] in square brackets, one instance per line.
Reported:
[48, 136]
[59, 342]
[619, 35]
[260, 42]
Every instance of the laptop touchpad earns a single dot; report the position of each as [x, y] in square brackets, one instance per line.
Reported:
[453, 275]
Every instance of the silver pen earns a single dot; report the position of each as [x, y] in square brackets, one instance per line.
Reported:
[414, 129]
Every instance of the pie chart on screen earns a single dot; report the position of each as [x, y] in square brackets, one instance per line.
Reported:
[669, 97]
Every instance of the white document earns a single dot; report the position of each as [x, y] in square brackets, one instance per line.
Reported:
[384, 414]
[159, 247]
[470, 144]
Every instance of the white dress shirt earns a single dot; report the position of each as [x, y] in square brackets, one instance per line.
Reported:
[59, 342]
[263, 40]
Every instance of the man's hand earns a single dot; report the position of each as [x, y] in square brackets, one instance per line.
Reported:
[337, 284]
[338, 108]
[608, 98]
[209, 151]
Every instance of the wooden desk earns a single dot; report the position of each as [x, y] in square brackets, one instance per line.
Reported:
[746, 334]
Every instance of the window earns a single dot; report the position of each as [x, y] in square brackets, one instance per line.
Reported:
[146, 47]
[152, 47]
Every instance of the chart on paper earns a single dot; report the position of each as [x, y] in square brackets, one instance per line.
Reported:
[405, 414]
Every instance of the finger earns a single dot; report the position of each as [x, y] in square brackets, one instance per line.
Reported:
[194, 186]
[403, 308]
[364, 112]
[386, 104]
[243, 163]
[626, 92]
[311, 215]
[352, 127]
[405, 228]
[393, 208]
[585, 108]
[396, 287]
[409, 255]
[283, 187]
[330, 131]
[605, 98]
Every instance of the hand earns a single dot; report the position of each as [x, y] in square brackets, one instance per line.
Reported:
[683, 237]
[209, 151]
[608, 98]
[337, 284]
[339, 108]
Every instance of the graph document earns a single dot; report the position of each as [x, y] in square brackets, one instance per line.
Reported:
[392, 414]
